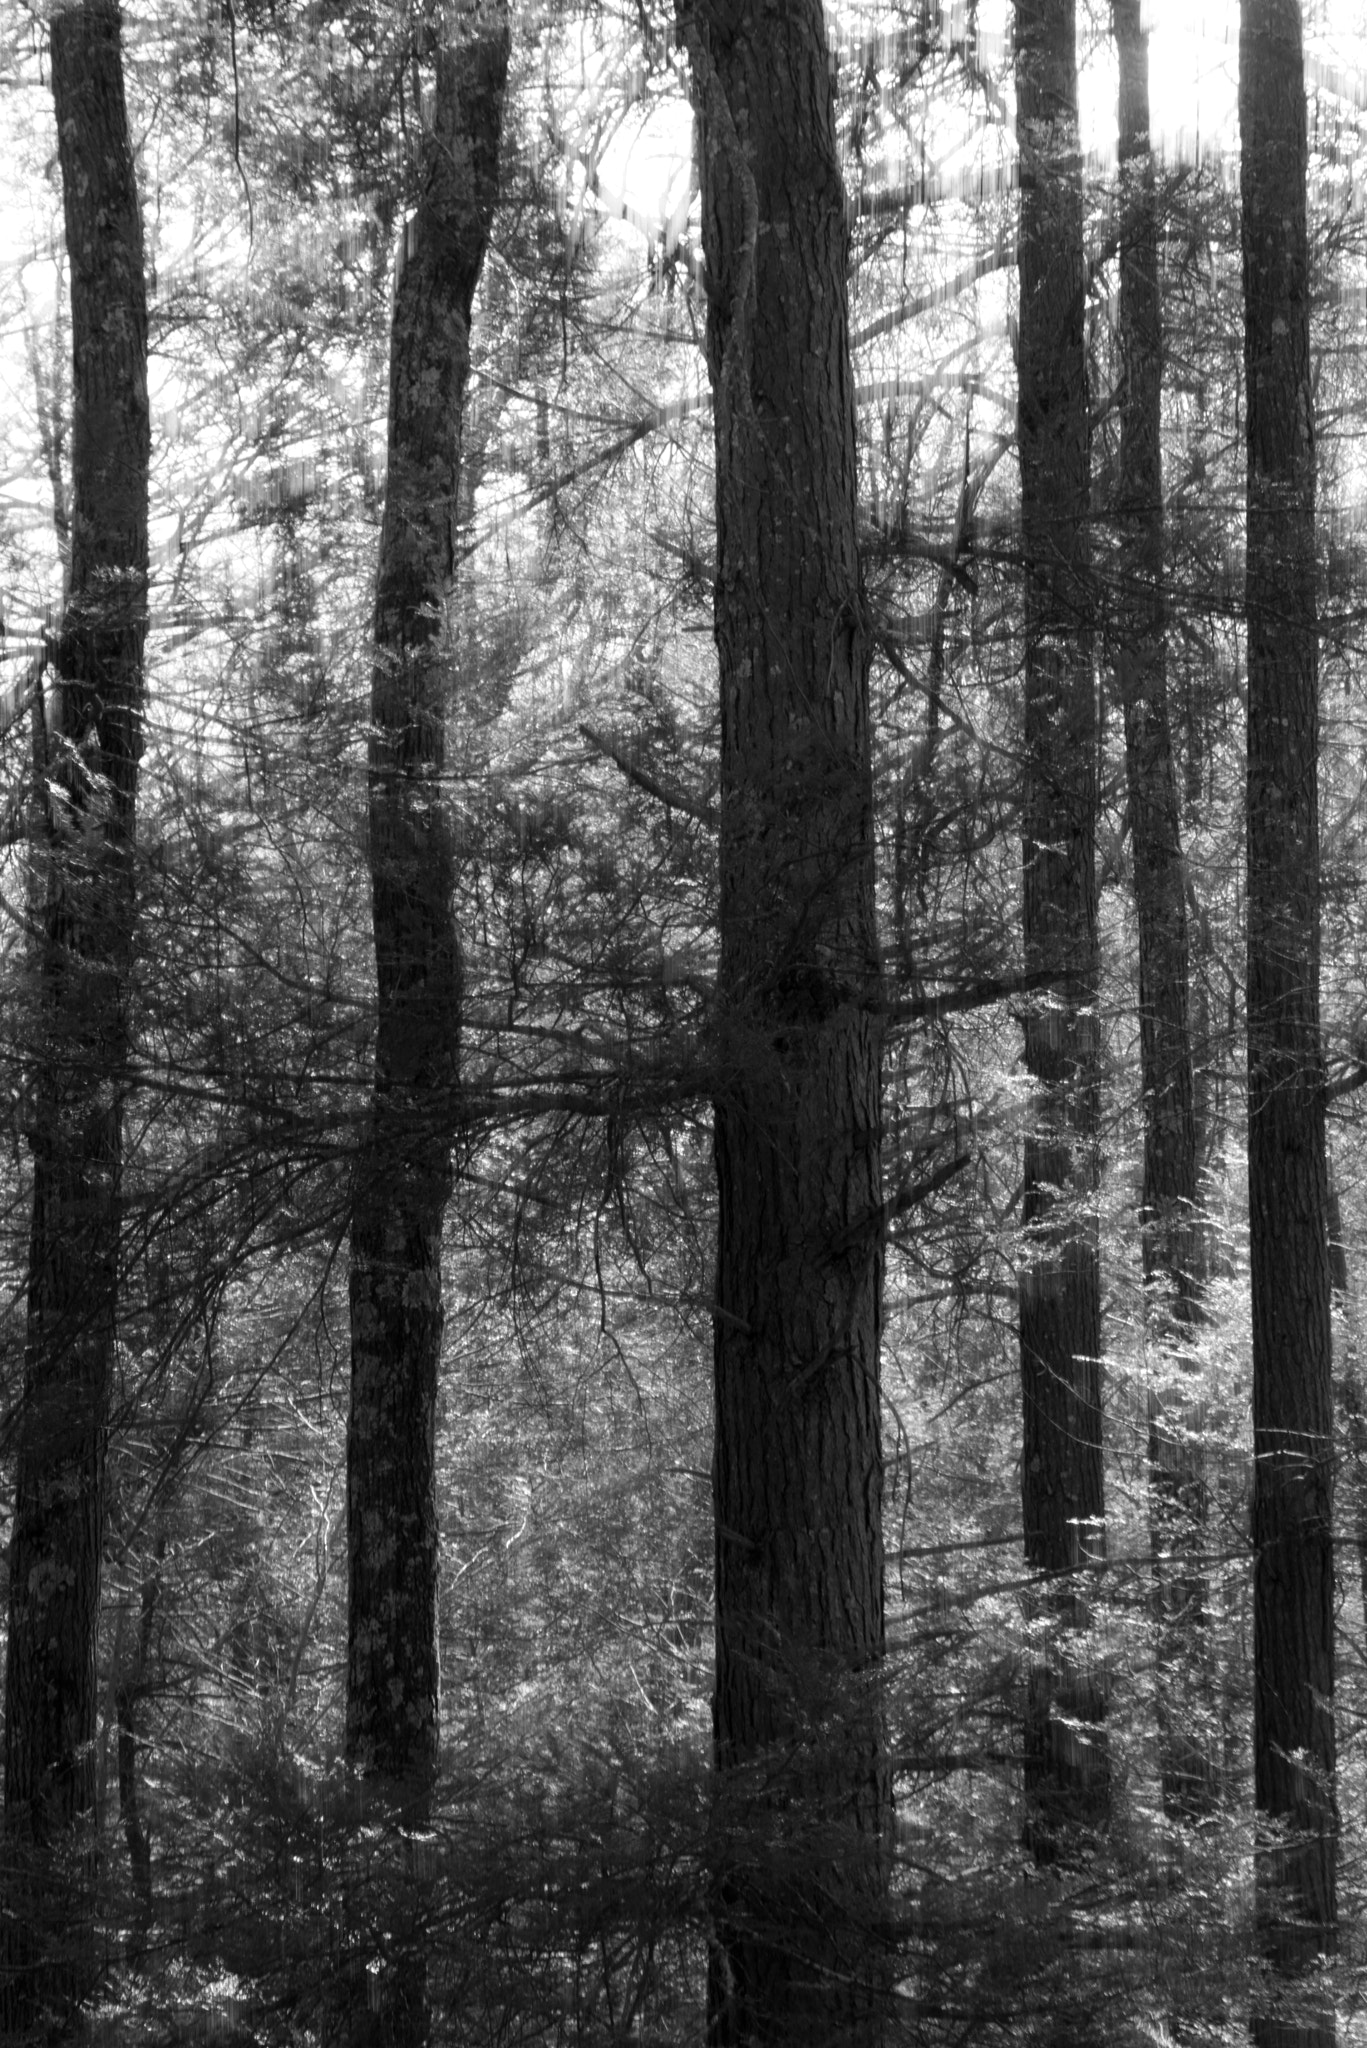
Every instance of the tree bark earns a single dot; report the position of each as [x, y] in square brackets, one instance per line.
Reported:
[804, 1802]
[404, 1171]
[1066, 1772]
[403, 1176]
[1293, 1606]
[1170, 1223]
[1138, 650]
[93, 742]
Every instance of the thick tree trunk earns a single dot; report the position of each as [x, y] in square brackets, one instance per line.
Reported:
[1060, 1297]
[1137, 636]
[1293, 1576]
[803, 1784]
[93, 744]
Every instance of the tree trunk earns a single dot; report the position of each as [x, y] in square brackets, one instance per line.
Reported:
[1293, 1577]
[1060, 1297]
[1137, 623]
[804, 1802]
[93, 744]
[1138, 650]
[403, 1174]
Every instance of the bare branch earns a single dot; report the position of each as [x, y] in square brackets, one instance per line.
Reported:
[673, 798]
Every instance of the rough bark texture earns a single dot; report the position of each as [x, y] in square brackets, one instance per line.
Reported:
[804, 1804]
[1060, 1298]
[403, 1176]
[85, 857]
[1293, 1576]
[1137, 646]
[1138, 649]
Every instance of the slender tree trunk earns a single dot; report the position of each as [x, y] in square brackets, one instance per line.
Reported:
[1293, 1575]
[403, 1175]
[1138, 649]
[1060, 1297]
[804, 1800]
[93, 743]
[1137, 621]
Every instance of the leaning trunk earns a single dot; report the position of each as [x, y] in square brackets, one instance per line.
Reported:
[92, 743]
[1060, 1297]
[803, 1783]
[1293, 1571]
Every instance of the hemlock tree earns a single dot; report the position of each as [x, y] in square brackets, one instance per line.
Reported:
[1288, 1190]
[1137, 649]
[87, 792]
[804, 1789]
[403, 1176]
[1060, 1294]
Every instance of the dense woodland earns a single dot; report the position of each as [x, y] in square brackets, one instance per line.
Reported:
[682, 1187]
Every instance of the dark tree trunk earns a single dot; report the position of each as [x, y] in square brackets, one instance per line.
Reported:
[1293, 1574]
[403, 1176]
[1138, 650]
[86, 893]
[1060, 1297]
[1137, 635]
[804, 1804]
